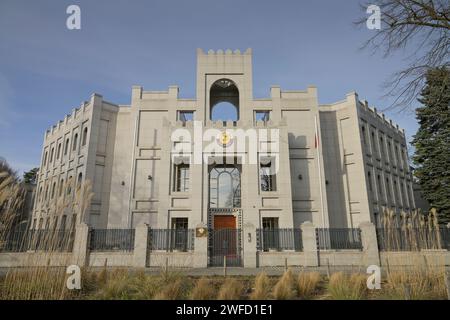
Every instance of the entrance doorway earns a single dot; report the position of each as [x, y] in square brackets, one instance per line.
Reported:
[224, 218]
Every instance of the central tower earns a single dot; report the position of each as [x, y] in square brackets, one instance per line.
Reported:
[224, 76]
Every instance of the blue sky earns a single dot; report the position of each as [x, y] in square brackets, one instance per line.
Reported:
[46, 69]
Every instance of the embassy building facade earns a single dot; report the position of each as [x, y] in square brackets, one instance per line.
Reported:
[224, 160]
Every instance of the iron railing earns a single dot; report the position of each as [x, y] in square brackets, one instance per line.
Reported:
[224, 247]
[111, 240]
[279, 239]
[171, 239]
[338, 239]
[38, 240]
[413, 239]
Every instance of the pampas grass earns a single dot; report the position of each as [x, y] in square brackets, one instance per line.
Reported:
[344, 287]
[262, 287]
[307, 284]
[285, 287]
[230, 290]
[204, 290]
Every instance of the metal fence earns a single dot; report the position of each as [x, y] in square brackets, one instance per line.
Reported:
[225, 247]
[38, 240]
[171, 239]
[338, 239]
[445, 238]
[413, 239]
[279, 239]
[111, 239]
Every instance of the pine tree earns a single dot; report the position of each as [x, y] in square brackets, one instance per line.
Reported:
[432, 142]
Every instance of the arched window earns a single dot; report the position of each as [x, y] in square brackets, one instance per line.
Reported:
[225, 187]
[66, 147]
[75, 141]
[224, 101]
[85, 132]
[51, 155]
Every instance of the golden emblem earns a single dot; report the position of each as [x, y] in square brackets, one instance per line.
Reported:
[225, 139]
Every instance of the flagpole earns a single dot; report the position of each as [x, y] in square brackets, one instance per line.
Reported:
[320, 170]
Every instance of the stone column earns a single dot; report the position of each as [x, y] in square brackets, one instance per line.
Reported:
[80, 251]
[140, 246]
[249, 245]
[201, 246]
[309, 244]
[369, 243]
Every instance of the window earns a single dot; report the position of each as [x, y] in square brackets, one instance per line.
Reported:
[75, 141]
[46, 193]
[270, 223]
[382, 147]
[73, 222]
[369, 181]
[225, 186]
[179, 234]
[34, 224]
[397, 158]
[262, 116]
[374, 143]
[396, 192]
[69, 185]
[53, 189]
[41, 222]
[63, 222]
[270, 234]
[181, 177]
[363, 133]
[51, 155]
[80, 180]
[388, 191]
[390, 152]
[58, 152]
[66, 147]
[45, 158]
[85, 133]
[55, 223]
[47, 223]
[40, 194]
[379, 186]
[185, 116]
[61, 186]
[267, 174]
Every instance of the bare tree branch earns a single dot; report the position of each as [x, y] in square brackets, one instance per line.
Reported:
[422, 26]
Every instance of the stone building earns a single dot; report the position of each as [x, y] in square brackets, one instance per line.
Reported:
[336, 165]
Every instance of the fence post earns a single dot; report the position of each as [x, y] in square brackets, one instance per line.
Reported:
[249, 245]
[369, 243]
[140, 246]
[201, 246]
[80, 251]
[309, 244]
